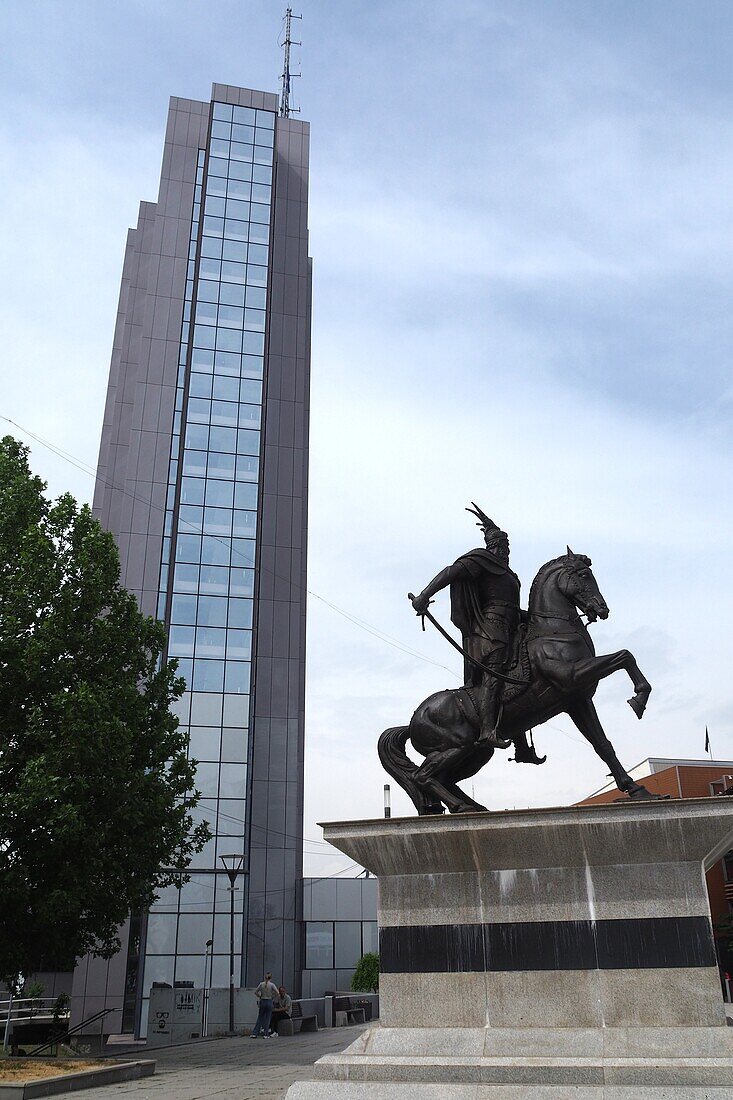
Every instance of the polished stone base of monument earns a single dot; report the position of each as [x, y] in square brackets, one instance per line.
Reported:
[542, 955]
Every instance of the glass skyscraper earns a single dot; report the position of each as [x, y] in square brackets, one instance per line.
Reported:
[202, 478]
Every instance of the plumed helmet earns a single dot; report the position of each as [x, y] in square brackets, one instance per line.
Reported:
[487, 525]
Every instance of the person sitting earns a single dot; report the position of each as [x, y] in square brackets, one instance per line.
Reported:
[281, 1009]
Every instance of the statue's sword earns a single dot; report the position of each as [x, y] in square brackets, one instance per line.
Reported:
[485, 668]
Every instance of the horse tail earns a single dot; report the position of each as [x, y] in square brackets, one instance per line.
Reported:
[396, 762]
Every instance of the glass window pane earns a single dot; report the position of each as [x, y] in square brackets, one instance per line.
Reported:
[219, 494]
[247, 467]
[205, 709]
[262, 154]
[240, 614]
[228, 339]
[224, 413]
[226, 388]
[239, 645]
[208, 290]
[248, 442]
[215, 208]
[254, 343]
[250, 390]
[245, 524]
[188, 548]
[197, 437]
[206, 313]
[236, 710]
[245, 115]
[239, 189]
[194, 463]
[190, 518]
[215, 551]
[207, 779]
[180, 641]
[202, 360]
[212, 611]
[211, 247]
[245, 496]
[221, 465]
[228, 362]
[208, 676]
[241, 581]
[261, 173]
[203, 336]
[199, 410]
[256, 275]
[256, 297]
[218, 166]
[233, 316]
[235, 249]
[214, 580]
[225, 439]
[209, 642]
[240, 166]
[233, 781]
[319, 945]
[232, 272]
[224, 111]
[185, 669]
[243, 133]
[186, 578]
[200, 385]
[203, 743]
[218, 521]
[192, 489]
[369, 936]
[347, 942]
[250, 416]
[183, 609]
[236, 681]
[243, 551]
[254, 319]
[221, 129]
[194, 929]
[210, 268]
[217, 184]
[232, 294]
[234, 744]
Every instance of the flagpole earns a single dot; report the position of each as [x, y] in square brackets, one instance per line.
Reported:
[708, 749]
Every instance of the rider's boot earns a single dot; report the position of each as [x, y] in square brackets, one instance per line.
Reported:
[525, 752]
[489, 714]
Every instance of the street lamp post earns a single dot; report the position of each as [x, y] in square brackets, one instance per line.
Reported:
[233, 867]
[204, 992]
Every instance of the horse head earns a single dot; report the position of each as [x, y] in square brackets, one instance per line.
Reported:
[569, 576]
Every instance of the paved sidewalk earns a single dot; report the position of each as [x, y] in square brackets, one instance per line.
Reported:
[230, 1069]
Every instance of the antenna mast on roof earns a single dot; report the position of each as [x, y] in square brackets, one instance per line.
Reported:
[285, 108]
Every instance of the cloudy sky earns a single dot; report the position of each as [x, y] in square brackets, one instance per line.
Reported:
[521, 218]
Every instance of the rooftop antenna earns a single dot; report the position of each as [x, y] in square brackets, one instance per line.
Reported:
[285, 108]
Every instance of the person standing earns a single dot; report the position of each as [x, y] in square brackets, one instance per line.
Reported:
[266, 992]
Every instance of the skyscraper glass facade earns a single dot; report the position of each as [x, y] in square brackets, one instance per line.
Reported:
[207, 418]
[209, 551]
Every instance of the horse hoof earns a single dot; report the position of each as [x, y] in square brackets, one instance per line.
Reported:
[637, 704]
[639, 793]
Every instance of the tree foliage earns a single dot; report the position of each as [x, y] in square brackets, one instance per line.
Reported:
[366, 975]
[93, 769]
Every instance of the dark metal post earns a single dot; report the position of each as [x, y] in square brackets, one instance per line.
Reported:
[233, 866]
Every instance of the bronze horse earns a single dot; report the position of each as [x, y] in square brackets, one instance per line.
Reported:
[563, 674]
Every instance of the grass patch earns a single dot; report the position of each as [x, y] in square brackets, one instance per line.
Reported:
[17, 1070]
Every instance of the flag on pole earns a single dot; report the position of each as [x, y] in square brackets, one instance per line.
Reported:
[707, 740]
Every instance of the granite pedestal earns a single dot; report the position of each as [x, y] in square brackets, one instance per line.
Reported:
[542, 955]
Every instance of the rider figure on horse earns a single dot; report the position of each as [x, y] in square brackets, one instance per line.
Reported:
[484, 595]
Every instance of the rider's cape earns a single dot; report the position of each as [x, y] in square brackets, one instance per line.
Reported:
[466, 604]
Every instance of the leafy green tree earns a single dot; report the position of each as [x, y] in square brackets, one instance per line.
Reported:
[93, 769]
[366, 975]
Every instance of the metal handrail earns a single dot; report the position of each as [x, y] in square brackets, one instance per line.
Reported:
[71, 1031]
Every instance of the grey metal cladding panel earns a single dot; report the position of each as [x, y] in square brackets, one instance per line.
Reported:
[244, 97]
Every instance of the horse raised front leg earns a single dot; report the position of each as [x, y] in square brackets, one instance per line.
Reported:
[585, 716]
[590, 671]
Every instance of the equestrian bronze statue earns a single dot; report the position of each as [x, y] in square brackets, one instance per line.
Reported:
[521, 668]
